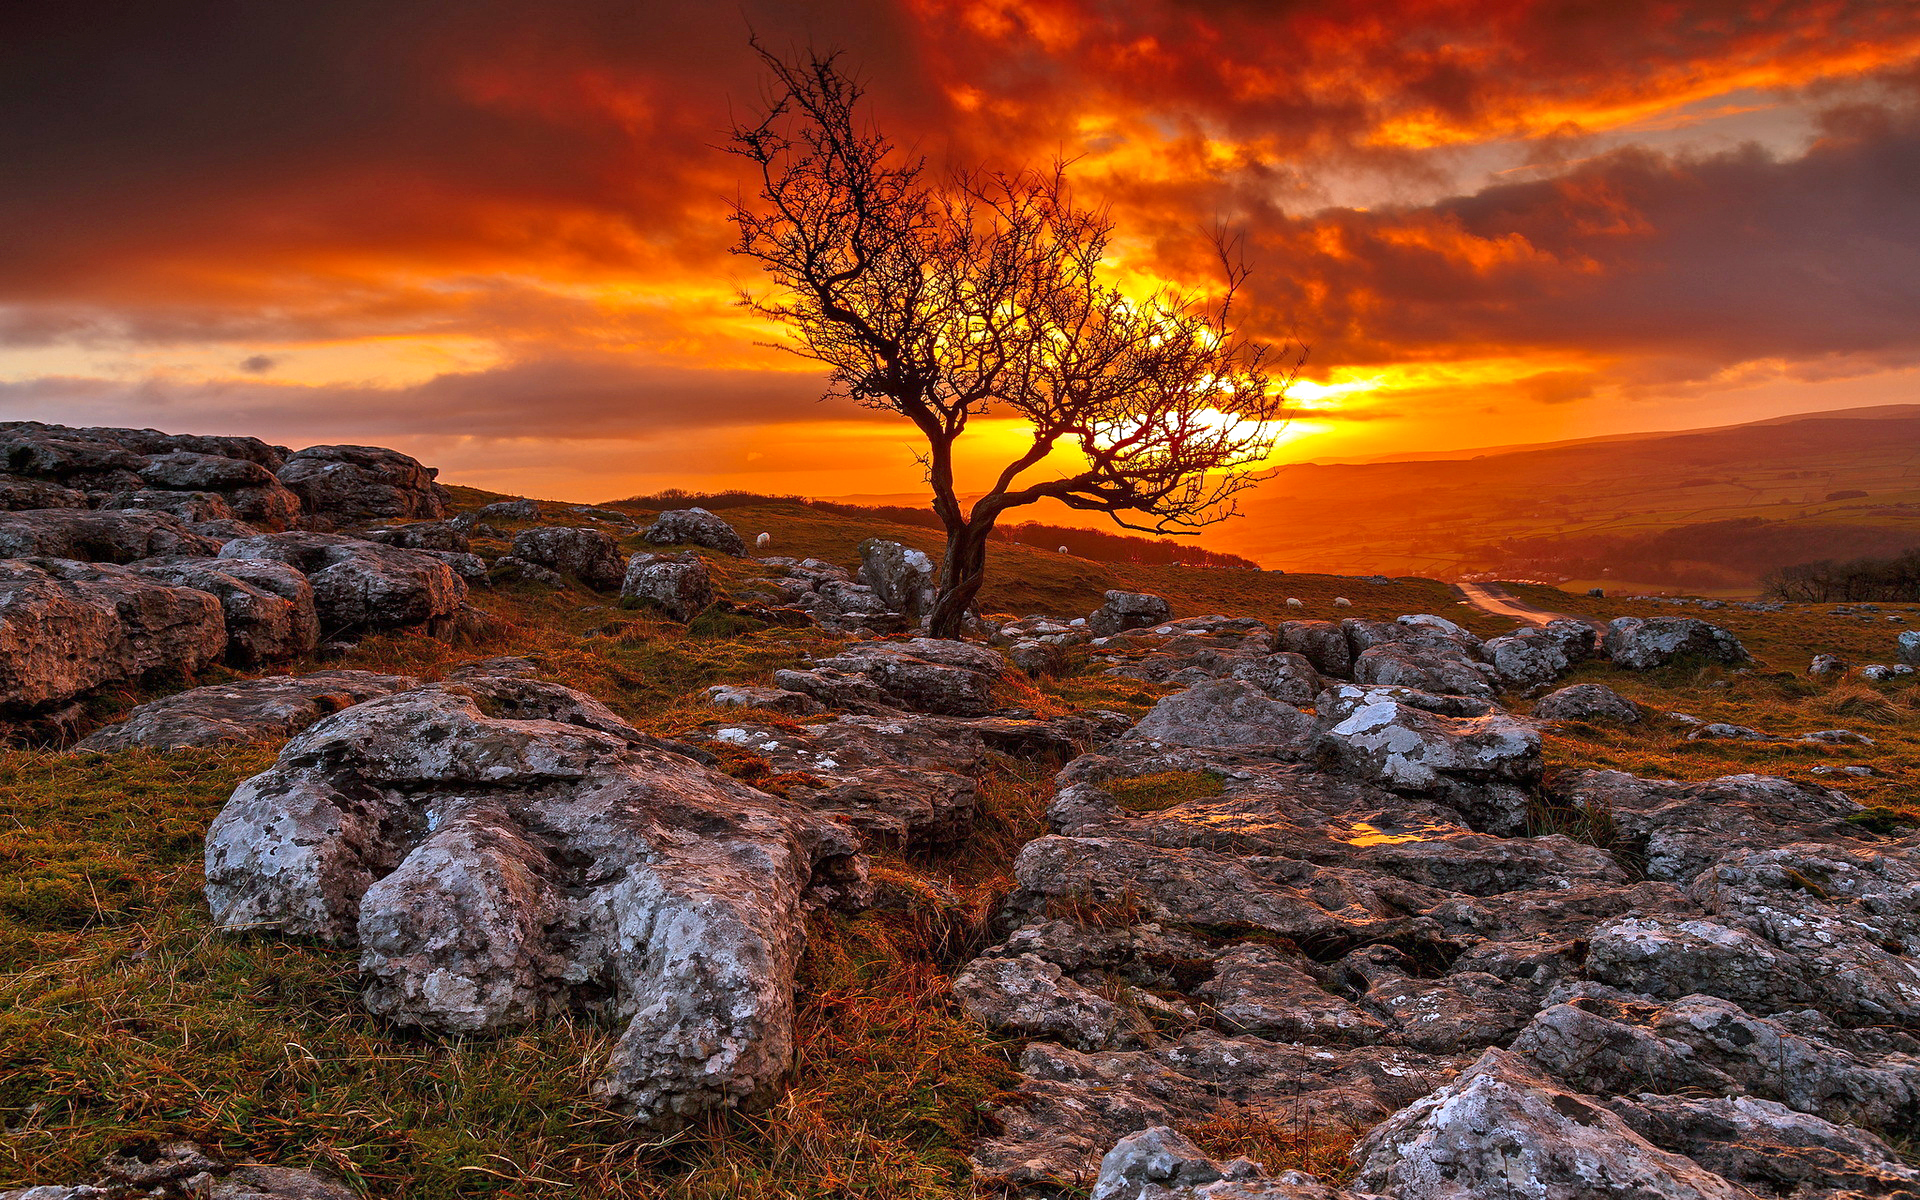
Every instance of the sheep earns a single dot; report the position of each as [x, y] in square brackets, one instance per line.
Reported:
[763, 541]
[1295, 602]
[1342, 602]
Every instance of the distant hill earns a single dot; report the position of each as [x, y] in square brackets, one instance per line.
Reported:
[1702, 509]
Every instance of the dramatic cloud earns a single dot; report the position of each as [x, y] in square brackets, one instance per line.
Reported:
[502, 225]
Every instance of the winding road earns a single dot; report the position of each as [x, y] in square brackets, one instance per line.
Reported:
[1494, 599]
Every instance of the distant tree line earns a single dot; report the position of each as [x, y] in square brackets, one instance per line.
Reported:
[1083, 543]
[1880, 579]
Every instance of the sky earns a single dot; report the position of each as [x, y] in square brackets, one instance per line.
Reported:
[493, 234]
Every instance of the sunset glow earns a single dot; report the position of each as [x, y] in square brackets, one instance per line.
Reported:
[1490, 222]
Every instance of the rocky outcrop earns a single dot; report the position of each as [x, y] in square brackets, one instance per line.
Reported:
[901, 577]
[359, 584]
[678, 585]
[694, 527]
[1589, 704]
[246, 487]
[181, 1169]
[423, 535]
[103, 537]
[1503, 1131]
[1127, 610]
[588, 555]
[250, 710]
[1481, 765]
[1643, 643]
[1223, 713]
[499, 869]
[1322, 643]
[268, 606]
[1529, 660]
[920, 674]
[347, 484]
[67, 628]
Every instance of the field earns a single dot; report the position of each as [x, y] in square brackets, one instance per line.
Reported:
[122, 1015]
[1691, 511]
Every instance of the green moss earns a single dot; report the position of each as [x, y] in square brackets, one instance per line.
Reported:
[1155, 793]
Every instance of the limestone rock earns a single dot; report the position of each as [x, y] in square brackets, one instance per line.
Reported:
[495, 870]
[1322, 643]
[104, 537]
[900, 576]
[921, 674]
[359, 584]
[589, 555]
[1503, 1131]
[248, 487]
[249, 710]
[1127, 610]
[1479, 764]
[68, 627]
[355, 483]
[423, 535]
[1643, 643]
[679, 584]
[1027, 996]
[694, 527]
[1223, 712]
[1589, 703]
[268, 606]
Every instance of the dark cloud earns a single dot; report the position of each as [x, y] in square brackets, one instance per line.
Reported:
[258, 364]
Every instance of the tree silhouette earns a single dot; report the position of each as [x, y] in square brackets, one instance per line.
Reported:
[949, 298]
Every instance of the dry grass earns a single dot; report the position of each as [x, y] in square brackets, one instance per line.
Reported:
[1299, 1140]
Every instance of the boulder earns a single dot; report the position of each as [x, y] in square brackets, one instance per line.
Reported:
[1503, 1131]
[180, 1168]
[423, 535]
[499, 870]
[104, 537]
[694, 527]
[1643, 643]
[346, 484]
[68, 627]
[930, 675]
[1907, 647]
[1480, 765]
[191, 507]
[1769, 1148]
[249, 488]
[268, 606]
[1588, 703]
[1284, 676]
[589, 555]
[1127, 610]
[509, 510]
[679, 584]
[250, 710]
[1223, 712]
[1530, 659]
[1827, 664]
[359, 584]
[1160, 1164]
[17, 493]
[509, 568]
[1322, 643]
[1025, 996]
[1428, 668]
[1679, 829]
[900, 576]
[1610, 1044]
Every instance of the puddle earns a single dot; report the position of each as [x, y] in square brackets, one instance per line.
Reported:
[1364, 834]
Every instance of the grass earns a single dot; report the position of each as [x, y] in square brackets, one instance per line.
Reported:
[122, 1015]
[1167, 789]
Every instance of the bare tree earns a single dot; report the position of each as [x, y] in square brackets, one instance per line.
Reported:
[946, 299]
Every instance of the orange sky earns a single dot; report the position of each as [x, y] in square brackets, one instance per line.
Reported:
[493, 235]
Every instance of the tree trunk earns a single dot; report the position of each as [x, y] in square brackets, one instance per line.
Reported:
[963, 569]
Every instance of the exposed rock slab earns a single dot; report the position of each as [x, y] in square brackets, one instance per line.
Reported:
[359, 584]
[495, 870]
[251, 710]
[69, 627]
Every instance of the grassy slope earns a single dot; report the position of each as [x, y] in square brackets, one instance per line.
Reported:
[1429, 517]
[122, 1015]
